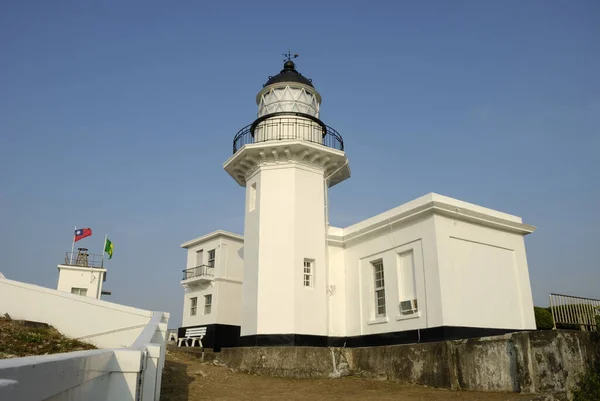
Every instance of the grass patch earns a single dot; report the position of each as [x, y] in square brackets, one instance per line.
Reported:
[19, 338]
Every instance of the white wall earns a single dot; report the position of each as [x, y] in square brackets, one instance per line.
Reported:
[310, 243]
[101, 323]
[227, 304]
[275, 298]
[337, 291]
[231, 267]
[287, 226]
[126, 374]
[133, 366]
[249, 304]
[388, 243]
[199, 291]
[484, 276]
[78, 277]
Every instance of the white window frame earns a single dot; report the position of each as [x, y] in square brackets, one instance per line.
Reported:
[252, 198]
[406, 275]
[193, 306]
[211, 258]
[207, 304]
[199, 257]
[308, 273]
[379, 288]
[79, 291]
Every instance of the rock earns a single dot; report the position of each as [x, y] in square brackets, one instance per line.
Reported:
[381, 377]
[200, 373]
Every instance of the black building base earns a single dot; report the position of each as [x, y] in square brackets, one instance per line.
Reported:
[442, 333]
[217, 335]
[222, 335]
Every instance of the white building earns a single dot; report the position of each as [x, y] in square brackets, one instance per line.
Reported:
[82, 274]
[213, 287]
[434, 268]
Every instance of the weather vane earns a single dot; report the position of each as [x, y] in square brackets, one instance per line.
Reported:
[289, 56]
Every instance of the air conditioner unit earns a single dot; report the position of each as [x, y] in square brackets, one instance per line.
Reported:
[408, 307]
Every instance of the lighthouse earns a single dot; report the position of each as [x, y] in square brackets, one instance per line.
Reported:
[286, 159]
[426, 270]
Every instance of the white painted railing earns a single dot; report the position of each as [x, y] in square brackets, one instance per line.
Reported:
[569, 309]
[132, 372]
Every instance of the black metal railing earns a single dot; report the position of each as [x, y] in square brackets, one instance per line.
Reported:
[284, 125]
[83, 259]
[198, 271]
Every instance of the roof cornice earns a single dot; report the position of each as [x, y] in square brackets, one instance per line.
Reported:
[429, 205]
[82, 268]
[211, 236]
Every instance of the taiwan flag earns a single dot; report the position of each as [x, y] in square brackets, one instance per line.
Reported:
[82, 233]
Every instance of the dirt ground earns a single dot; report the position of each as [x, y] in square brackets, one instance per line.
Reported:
[186, 379]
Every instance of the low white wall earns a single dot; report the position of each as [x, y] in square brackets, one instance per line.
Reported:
[59, 377]
[104, 324]
[132, 372]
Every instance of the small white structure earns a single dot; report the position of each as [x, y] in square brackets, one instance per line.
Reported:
[434, 268]
[82, 274]
[212, 282]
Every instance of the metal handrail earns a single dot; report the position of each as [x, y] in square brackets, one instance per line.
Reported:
[573, 310]
[198, 271]
[84, 259]
[330, 137]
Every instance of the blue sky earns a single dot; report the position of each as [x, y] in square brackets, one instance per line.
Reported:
[118, 116]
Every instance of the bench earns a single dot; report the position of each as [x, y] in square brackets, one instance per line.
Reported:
[194, 334]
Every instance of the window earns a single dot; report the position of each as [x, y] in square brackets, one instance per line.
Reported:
[194, 306]
[199, 257]
[211, 258]
[379, 288]
[79, 291]
[252, 198]
[207, 304]
[407, 290]
[308, 272]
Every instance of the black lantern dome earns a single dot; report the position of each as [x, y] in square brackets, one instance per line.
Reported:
[289, 74]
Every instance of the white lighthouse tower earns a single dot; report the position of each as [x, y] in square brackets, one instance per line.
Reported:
[286, 159]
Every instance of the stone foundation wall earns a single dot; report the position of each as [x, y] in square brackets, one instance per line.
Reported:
[548, 362]
[298, 362]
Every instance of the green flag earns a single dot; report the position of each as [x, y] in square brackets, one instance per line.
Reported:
[108, 248]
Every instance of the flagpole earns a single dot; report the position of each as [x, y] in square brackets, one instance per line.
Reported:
[104, 248]
[73, 245]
